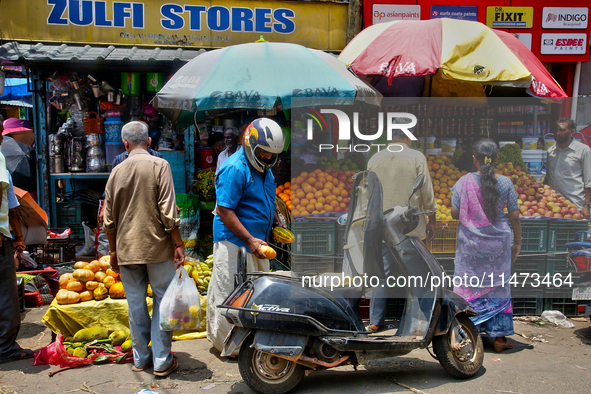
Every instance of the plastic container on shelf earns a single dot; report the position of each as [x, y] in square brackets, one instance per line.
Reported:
[533, 159]
[112, 149]
[549, 142]
[113, 127]
[448, 146]
[530, 143]
[433, 152]
[430, 142]
[503, 143]
[154, 82]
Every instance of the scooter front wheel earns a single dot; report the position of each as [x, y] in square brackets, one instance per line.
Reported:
[463, 357]
[266, 373]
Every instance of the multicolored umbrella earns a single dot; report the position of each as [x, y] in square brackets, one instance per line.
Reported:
[455, 49]
[259, 75]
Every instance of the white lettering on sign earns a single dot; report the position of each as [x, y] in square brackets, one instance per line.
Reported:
[391, 12]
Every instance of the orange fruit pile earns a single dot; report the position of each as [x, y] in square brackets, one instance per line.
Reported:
[443, 175]
[320, 192]
[284, 193]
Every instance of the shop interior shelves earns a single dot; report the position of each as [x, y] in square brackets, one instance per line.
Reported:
[80, 175]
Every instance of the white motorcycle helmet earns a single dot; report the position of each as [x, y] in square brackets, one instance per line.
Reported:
[263, 134]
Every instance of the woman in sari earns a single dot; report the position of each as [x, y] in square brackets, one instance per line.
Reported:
[484, 243]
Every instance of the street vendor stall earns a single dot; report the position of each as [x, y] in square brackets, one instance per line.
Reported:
[108, 313]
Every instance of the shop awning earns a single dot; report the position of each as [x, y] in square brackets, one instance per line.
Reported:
[16, 93]
[40, 52]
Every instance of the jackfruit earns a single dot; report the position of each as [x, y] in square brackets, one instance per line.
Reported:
[90, 334]
[126, 346]
[118, 337]
[80, 352]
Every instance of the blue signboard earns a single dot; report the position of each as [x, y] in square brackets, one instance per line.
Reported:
[467, 13]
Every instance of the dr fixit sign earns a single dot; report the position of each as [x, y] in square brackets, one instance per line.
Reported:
[510, 17]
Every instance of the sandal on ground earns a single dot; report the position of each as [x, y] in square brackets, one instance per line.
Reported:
[142, 368]
[173, 367]
[22, 354]
[500, 346]
[372, 328]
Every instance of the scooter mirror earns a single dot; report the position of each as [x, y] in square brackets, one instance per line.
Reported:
[417, 185]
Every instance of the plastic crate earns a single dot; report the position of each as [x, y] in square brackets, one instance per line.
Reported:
[527, 301]
[446, 237]
[314, 238]
[558, 264]
[77, 231]
[319, 264]
[339, 239]
[555, 300]
[68, 213]
[56, 252]
[395, 308]
[448, 265]
[364, 308]
[529, 264]
[534, 235]
[561, 232]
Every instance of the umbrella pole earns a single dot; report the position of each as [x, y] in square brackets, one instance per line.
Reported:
[428, 119]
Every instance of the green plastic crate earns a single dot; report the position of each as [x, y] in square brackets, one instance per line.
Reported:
[339, 239]
[561, 232]
[556, 300]
[527, 301]
[529, 264]
[534, 235]
[314, 238]
[558, 264]
[320, 264]
[68, 213]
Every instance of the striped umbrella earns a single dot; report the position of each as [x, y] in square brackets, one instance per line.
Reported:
[259, 75]
[453, 49]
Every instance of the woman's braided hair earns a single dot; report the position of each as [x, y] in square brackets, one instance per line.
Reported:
[485, 152]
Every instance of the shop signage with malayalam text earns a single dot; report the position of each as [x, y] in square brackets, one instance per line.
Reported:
[392, 12]
[563, 44]
[467, 13]
[509, 17]
[565, 17]
[320, 25]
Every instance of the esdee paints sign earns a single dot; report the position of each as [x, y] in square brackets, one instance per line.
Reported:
[320, 25]
[563, 44]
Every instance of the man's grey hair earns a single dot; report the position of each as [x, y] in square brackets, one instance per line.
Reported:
[234, 130]
[136, 133]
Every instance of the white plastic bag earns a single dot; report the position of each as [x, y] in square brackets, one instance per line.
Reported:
[88, 248]
[557, 318]
[180, 308]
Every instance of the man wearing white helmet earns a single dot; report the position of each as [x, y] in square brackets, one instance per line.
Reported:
[245, 191]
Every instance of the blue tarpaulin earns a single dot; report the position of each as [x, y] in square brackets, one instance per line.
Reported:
[16, 93]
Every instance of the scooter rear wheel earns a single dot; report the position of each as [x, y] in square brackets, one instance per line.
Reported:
[465, 362]
[266, 373]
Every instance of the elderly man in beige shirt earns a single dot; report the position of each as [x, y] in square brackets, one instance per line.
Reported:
[141, 222]
[397, 168]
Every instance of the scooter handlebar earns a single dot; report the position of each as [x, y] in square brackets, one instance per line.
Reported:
[410, 211]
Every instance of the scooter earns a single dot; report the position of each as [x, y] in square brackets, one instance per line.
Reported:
[579, 258]
[287, 327]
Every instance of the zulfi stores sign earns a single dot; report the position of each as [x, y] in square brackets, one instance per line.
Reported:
[318, 25]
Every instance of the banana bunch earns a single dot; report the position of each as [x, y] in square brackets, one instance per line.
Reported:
[200, 272]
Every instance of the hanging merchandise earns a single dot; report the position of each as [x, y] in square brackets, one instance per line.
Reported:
[76, 154]
[113, 126]
[130, 83]
[154, 82]
[93, 124]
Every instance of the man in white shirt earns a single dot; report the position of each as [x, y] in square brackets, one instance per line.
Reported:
[231, 139]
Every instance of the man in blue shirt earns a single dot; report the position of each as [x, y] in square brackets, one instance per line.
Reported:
[119, 158]
[245, 191]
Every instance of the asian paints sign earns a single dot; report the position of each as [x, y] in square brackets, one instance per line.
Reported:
[389, 12]
[185, 23]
